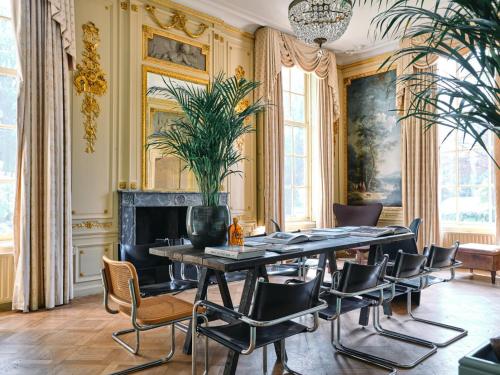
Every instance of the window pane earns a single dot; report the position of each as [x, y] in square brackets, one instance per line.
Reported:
[447, 168]
[473, 205]
[5, 9]
[447, 139]
[285, 77]
[8, 93]
[286, 106]
[299, 141]
[297, 110]
[6, 209]
[7, 44]
[288, 170]
[299, 197]
[288, 201]
[299, 172]
[8, 147]
[473, 168]
[448, 207]
[288, 140]
[297, 79]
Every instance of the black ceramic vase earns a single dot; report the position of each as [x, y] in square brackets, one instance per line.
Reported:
[207, 225]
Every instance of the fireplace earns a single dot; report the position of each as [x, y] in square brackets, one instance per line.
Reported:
[146, 216]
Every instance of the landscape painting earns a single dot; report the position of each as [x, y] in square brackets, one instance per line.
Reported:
[373, 141]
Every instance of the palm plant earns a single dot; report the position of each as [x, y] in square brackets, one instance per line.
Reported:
[466, 32]
[204, 138]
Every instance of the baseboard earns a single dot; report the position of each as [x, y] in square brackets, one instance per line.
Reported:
[6, 306]
[87, 289]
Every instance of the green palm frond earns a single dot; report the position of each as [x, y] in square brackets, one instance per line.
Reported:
[204, 138]
[466, 32]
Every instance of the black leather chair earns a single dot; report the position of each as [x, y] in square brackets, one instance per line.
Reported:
[157, 275]
[439, 259]
[406, 267]
[269, 321]
[346, 294]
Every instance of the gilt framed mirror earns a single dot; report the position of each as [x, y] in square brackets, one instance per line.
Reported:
[163, 172]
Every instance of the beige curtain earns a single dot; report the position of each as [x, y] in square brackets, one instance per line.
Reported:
[274, 49]
[497, 189]
[42, 219]
[420, 162]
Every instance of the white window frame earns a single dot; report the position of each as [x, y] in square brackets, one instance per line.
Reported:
[455, 152]
[7, 72]
[305, 221]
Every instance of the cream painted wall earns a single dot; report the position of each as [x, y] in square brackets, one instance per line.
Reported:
[117, 161]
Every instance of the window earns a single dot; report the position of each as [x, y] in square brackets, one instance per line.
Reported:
[298, 145]
[467, 186]
[8, 103]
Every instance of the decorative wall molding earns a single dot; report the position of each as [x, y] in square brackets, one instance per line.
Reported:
[92, 225]
[90, 80]
[177, 21]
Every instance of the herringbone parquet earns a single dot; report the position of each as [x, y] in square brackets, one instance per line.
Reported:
[76, 339]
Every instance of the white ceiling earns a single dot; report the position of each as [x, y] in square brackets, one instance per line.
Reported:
[357, 43]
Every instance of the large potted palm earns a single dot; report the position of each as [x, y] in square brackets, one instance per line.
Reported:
[204, 139]
[462, 31]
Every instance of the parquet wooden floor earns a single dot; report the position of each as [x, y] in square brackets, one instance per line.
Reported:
[76, 339]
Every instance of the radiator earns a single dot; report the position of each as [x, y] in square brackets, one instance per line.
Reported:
[6, 277]
[449, 238]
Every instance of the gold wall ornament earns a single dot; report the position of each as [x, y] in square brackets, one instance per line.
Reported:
[239, 72]
[177, 21]
[90, 80]
[92, 225]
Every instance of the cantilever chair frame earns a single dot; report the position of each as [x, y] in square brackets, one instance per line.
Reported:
[336, 333]
[137, 328]
[253, 325]
[425, 284]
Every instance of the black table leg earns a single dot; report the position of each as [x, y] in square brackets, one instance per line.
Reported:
[224, 289]
[244, 308]
[200, 294]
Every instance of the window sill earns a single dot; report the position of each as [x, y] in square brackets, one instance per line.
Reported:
[472, 230]
[299, 225]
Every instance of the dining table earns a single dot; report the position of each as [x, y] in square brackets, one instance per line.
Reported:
[255, 268]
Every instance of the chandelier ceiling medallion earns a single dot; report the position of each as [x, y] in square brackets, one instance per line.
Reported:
[319, 21]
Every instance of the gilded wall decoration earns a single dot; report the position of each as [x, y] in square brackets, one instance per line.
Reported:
[92, 225]
[174, 51]
[177, 21]
[90, 80]
[239, 73]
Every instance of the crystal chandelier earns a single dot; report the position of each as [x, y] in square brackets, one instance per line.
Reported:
[319, 21]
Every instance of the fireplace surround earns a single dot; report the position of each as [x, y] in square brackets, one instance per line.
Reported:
[145, 216]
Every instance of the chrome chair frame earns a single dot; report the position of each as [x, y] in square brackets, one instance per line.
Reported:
[336, 333]
[425, 284]
[137, 329]
[253, 324]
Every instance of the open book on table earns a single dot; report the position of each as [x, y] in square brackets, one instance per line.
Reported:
[286, 238]
[379, 231]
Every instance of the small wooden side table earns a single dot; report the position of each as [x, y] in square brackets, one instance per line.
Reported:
[481, 257]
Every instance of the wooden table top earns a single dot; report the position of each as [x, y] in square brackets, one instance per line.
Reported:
[188, 254]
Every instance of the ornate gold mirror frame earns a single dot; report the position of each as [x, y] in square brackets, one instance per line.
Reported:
[151, 104]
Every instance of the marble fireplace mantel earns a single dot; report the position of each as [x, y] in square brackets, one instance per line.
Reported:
[130, 200]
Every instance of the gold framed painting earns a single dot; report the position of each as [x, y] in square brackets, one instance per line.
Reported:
[174, 51]
[159, 172]
[373, 139]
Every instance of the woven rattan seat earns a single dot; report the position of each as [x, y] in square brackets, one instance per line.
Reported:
[160, 309]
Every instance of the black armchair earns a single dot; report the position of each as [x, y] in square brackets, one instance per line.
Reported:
[269, 321]
[157, 275]
[406, 267]
[345, 295]
[438, 259]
